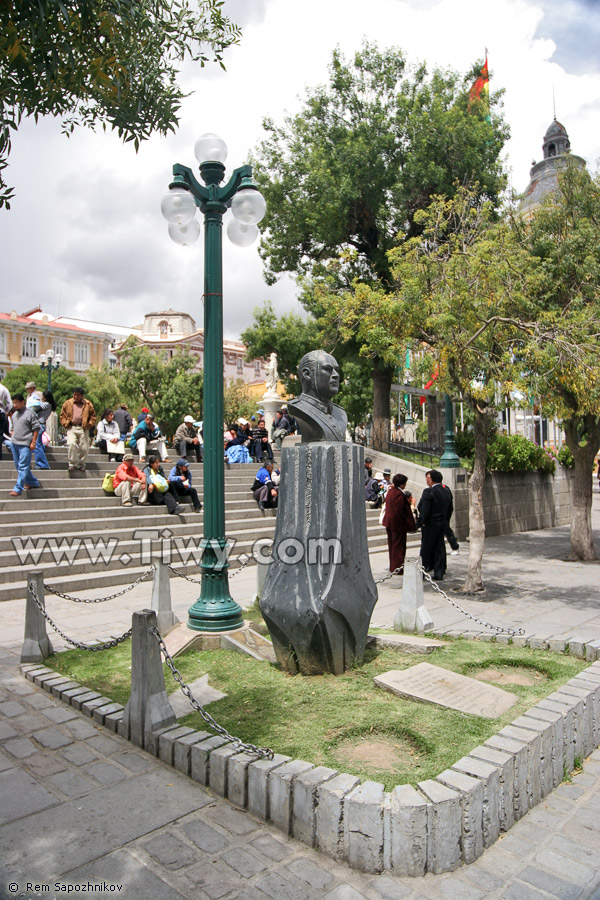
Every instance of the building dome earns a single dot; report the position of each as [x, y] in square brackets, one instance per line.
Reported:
[543, 177]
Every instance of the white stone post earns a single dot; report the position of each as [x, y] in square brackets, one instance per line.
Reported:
[412, 614]
[161, 597]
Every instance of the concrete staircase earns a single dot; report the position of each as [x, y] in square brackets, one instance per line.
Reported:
[82, 538]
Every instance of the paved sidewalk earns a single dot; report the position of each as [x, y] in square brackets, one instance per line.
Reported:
[79, 805]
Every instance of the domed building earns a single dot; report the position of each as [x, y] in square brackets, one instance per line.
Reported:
[543, 177]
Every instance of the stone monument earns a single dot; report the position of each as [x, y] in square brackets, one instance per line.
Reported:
[319, 592]
[271, 401]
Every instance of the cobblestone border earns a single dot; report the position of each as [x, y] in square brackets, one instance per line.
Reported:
[435, 827]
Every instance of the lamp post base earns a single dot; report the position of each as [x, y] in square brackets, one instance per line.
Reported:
[215, 609]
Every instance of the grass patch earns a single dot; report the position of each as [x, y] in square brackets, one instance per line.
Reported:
[344, 722]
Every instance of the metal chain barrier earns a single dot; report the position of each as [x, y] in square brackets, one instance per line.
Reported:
[52, 590]
[263, 752]
[498, 628]
[391, 575]
[199, 580]
[80, 646]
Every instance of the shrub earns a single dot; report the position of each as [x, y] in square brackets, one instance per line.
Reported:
[565, 457]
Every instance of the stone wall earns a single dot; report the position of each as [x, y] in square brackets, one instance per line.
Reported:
[513, 501]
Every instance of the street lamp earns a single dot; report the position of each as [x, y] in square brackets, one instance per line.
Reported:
[449, 459]
[47, 364]
[215, 610]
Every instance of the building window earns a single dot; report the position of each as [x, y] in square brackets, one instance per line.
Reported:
[551, 150]
[240, 365]
[257, 366]
[60, 347]
[163, 329]
[82, 354]
[29, 348]
[2, 344]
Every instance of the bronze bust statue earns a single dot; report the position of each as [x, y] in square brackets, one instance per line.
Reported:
[318, 418]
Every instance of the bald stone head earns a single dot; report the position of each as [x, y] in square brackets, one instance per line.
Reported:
[319, 375]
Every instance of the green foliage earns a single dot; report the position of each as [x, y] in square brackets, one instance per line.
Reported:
[422, 432]
[565, 457]
[92, 62]
[516, 453]
[238, 401]
[290, 336]
[170, 388]
[464, 442]
[356, 391]
[103, 389]
[63, 381]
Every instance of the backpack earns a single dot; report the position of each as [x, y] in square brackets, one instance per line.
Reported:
[107, 483]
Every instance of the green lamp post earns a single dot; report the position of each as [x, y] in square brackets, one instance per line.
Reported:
[215, 610]
[47, 365]
[449, 459]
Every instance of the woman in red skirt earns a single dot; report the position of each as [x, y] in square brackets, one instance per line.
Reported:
[398, 521]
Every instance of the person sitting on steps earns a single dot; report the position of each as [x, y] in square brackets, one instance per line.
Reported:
[264, 490]
[159, 489]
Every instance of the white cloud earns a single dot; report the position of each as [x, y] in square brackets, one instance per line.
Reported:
[86, 231]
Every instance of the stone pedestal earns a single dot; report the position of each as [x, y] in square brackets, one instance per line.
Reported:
[412, 615]
[270, 403]
[319, 592]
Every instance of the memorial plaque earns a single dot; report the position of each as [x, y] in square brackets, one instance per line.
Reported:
[432, 684]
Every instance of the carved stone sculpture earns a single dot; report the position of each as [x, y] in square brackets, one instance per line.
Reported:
[319, 592]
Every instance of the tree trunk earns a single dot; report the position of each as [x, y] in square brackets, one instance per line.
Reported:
[474, 581]
[382, 384]
[582, 539]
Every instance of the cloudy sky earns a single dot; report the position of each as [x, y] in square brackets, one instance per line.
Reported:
[85, 236]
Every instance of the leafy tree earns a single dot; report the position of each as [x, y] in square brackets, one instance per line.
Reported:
[564, 237]
[171, 388]
[63, 381]
[103, 389]
[237, 401]
[113, 62]
[351, 170]
[290, 336]
[462, 286]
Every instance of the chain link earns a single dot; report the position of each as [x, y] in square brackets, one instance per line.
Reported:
[106, 645]
[263, 752]
[199, 580]
[498, 628]
[52, 590]
[391, 575]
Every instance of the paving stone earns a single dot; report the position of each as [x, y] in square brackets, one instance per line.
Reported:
[562, 865]
[59, 714]
[73, 784]
[5, 762]
[123, 868]
[104, 744]
[245, 864]
[550, 883]
[11, 708]
[344, 892]
[232, 820]
[52, 738]
[21, 748]
[7, 731]
[483, 879]
[170, 851]
[78, 754]
[105, 773]
[37, 700]
[205, 837]
[44, 764]
[457, 889]
[135, 762]
[215, 878]
[30, 722]
[389, 888]
[272, 848]
[21, 795]
[80, 729]
[279, 888]
[310, 872]
[518, 891]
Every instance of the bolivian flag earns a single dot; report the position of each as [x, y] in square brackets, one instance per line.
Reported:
[480, 90]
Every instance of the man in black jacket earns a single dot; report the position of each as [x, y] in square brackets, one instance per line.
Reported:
[435, 510]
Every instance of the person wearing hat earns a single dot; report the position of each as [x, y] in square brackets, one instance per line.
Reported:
[147, 434]
[77, 416]
[186, 440]
[180, 483]
[386, 481]
[129, 481]
[373, 491]
[34, 397]
[368, 468]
